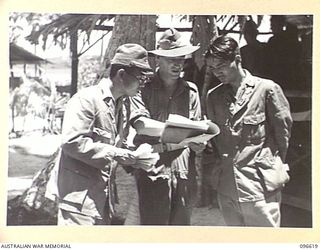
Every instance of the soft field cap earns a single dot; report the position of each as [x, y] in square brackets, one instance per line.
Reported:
[171, 45]
[132, 55]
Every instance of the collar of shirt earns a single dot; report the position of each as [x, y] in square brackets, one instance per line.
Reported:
[244, 93]
[248, 79]
[104, 85]
[235, 103]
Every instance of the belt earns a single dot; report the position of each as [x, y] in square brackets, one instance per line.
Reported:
[166, 147]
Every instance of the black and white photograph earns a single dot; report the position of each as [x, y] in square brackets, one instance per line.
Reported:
[199, 121]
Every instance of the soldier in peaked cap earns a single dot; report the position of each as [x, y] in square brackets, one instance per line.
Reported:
[92, 138]
[164, 198]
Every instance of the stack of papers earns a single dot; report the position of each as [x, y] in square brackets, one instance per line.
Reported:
[181, 130]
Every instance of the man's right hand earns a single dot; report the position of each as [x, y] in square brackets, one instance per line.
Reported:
[125, 156]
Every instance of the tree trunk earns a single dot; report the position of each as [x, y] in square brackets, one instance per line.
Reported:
[74, 61]
[139, 29]
[204, 29]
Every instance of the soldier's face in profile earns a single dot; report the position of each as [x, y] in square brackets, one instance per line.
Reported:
[224, 69]
[134, 80]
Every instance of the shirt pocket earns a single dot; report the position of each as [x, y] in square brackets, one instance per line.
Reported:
[78, 180]
[102, 135]
[75, 185]
[254, 128]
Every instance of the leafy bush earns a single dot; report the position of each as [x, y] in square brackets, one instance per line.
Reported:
[89, 68]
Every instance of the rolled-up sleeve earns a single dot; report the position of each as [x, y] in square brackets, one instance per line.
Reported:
[278, 112]
[77, 135]
[137, 108]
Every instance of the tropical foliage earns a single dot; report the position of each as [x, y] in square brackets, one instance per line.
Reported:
[33, 20]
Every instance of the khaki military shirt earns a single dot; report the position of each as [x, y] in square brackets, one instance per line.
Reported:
[155, 103]
[255, 126]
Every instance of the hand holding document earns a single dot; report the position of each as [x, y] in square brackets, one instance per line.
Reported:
[181, 130]
[145, 158]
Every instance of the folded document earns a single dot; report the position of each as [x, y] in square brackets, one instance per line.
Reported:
[181, 130]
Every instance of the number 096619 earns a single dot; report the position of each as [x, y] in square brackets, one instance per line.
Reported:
[309, 246]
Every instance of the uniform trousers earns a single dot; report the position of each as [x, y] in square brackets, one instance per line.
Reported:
[163, 201]
[262, 213]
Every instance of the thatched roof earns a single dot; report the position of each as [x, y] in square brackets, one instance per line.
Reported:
[19, 55]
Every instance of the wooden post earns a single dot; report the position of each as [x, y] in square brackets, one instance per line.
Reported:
[74, 61]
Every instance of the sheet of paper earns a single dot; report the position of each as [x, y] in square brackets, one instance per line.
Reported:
[183, 122]
[197, 139]
[146, 159]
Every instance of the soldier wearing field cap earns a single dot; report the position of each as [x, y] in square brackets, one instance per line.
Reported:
[92, 139]
[164, 197]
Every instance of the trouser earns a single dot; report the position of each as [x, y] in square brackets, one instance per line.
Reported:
[262, 213]
[68, 218]
[207, 191]
[161, 202]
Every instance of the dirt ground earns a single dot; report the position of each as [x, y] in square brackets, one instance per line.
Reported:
[30, 153]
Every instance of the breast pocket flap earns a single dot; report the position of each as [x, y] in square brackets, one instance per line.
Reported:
[101, 135]
[102, 132]
[254, 119]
